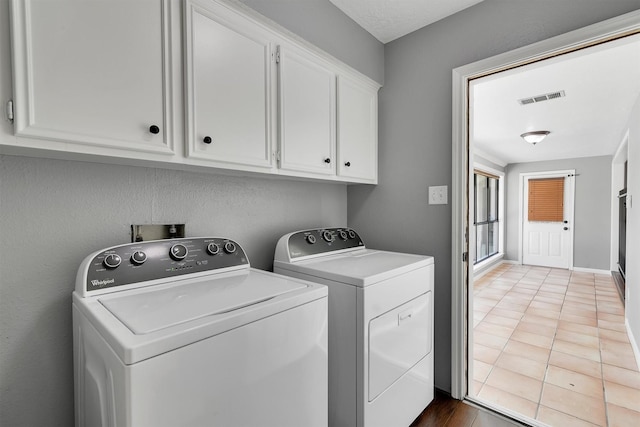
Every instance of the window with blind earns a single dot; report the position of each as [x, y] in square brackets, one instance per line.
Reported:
[546, 199]
[486, 188]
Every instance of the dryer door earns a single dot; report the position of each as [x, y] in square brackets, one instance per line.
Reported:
[398, 339]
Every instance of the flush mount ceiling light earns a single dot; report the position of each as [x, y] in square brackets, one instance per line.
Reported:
[535, 136]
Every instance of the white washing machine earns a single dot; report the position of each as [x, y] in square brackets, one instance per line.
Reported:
[184, 332]
[380, 324]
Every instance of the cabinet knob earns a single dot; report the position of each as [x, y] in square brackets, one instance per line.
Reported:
[207, 140]
[347, 164]
[565, 228]
[154, 129]
[327, 160]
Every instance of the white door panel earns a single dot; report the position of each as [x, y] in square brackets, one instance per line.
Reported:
[534, 243]
[555, 244]
[548, 243]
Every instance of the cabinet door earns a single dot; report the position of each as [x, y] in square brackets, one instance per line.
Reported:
[93, 73]
[357, 131]
[229, 101]
[307, 114]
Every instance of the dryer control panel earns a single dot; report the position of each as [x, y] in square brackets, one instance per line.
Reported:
[322, 240]
[159, 259]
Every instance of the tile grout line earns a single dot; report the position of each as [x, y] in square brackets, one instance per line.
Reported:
[493, 365]
[577, 285]
[515, 283]
[604, 389]
[595, 299]
[546, 369]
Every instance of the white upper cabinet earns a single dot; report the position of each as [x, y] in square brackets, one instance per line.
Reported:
[93, 73]
[107, 80]
[357, 130]
[229, 98]
[307, 107]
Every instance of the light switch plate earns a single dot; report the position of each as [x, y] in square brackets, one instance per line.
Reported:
[438, 195]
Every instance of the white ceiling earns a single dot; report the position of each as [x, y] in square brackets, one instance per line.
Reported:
[388, 20]
[601, 85]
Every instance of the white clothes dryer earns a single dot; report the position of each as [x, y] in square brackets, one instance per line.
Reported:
[184, 332]
[380, 324]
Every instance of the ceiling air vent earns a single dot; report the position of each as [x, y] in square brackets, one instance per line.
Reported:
[540, 98]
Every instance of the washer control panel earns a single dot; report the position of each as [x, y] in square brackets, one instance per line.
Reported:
[322, 240]
[158, 259]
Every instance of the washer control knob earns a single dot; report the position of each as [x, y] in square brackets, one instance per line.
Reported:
[343, 235]
[178, 252]
[327, 236]
[138, 257]
[352, 234]
[112, 261]
[311, 239]
[213, 248]
[229, 247]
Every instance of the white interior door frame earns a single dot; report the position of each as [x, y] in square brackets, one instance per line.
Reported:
[617, 182]
[569, 210]
[602, 32]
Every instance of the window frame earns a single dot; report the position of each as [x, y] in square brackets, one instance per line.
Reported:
[497, 221]
[499, 175]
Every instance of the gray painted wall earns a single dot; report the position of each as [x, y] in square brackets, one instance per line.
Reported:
[488, 163]
[54, 212]
[592, 228]
[324, 25]
[415, 128]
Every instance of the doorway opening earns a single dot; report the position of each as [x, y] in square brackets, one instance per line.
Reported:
[566, 282]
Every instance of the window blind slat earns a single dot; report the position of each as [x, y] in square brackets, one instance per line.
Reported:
[546, 199]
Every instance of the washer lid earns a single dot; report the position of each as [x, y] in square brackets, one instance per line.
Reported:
[150, 310]
[360, 267]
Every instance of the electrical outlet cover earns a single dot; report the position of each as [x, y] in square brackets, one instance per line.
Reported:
[438, 195]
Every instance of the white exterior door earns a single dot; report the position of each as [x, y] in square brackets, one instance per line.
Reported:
[548, 242]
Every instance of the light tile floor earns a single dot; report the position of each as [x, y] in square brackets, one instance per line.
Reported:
[551, 344]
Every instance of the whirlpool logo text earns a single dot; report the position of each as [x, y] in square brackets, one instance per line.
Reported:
[102, 283]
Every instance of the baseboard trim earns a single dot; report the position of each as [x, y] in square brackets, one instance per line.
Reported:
[489, 266]
[634, 343]
[620, 285]
[484, 267]
[592, 270]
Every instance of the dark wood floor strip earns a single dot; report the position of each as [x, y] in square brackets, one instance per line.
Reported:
[445, 411]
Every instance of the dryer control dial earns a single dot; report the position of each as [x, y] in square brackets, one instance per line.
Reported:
[311, 239]
[178, 252]
[112, 260]
[138, 257]
[229, 247]
[213, 249]
[327, 236]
